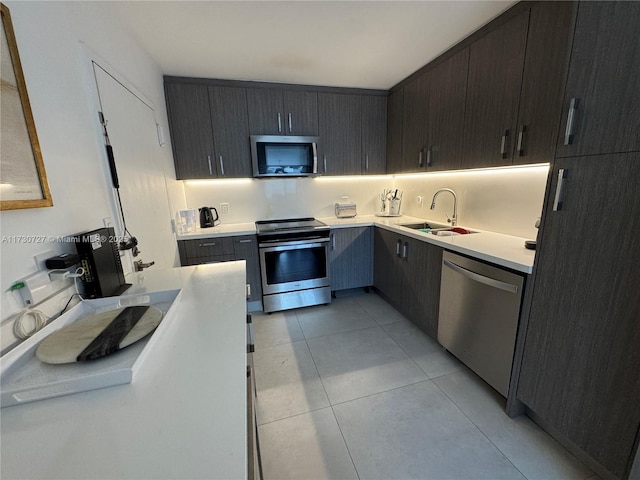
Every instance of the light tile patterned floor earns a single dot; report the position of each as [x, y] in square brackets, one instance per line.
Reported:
[353, 390]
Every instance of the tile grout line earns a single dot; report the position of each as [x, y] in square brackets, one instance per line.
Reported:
[477, 427]
[344, 440]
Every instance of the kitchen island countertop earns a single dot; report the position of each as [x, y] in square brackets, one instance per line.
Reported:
[184, 414]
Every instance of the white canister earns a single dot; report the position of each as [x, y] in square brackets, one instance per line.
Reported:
[186, 221]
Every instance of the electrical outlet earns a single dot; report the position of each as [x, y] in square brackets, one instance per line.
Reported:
[107, 222]
[224, 208]
[420, 201]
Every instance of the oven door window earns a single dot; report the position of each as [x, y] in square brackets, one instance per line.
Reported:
[296, 265]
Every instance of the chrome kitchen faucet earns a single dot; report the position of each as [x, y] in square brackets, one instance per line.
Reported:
[453, 220]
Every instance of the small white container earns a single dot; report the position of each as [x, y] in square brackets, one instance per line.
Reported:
[186, 221]
[394, 206]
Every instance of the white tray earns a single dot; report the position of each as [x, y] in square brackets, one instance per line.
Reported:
[24, 378]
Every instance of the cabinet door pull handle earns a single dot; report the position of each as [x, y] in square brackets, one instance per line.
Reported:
[245, 241]
[568, 133]
[420, 158]
[557, 201]
[290, 124]
[221, 166]
[209, 244]
[429, 157]
[503, 144]
[248, 290]
[210, 169]
[324, 160]
[366, 163]
[398, 247]
[520, 148]
[279, 123]
[333, 241]
[405, 250]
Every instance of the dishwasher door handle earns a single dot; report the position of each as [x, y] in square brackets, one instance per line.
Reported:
[492, 282]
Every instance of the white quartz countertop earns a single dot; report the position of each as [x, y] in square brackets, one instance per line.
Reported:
[221, 230]
[504, 250]
[184, 414]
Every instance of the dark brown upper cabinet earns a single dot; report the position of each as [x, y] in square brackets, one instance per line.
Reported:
[191, 131]
[394, 131]
[230, 131]
[601, 103]
[447, 96]
[340, 125]
[209, 131]
[374, 134]
[273, 111]
[495, 76]
[414, 124]
[545, 67]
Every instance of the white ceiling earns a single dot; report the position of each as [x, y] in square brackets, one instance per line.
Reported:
[341, 43]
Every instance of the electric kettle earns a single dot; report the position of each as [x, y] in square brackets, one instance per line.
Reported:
[208, 217]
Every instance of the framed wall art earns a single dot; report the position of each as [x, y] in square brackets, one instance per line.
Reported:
[23, 180]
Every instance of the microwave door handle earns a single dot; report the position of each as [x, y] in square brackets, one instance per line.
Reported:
[314, 148]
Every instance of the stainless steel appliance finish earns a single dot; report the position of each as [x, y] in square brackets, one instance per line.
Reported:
[478, 319]
[284, 156]
[294, 263]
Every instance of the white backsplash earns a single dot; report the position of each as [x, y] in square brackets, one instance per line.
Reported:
[501, 200]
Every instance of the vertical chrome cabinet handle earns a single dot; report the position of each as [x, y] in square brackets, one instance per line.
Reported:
[420, 157]
[503, 144]
[398, 247]
[366, 163]
[290, 124]
[221, 166]
[333, 241]
[405, 250]
[324, 160]
[279, 123]
[557, 201]
[209, 160]
[520, 148]
[429, 157]
[568, 133]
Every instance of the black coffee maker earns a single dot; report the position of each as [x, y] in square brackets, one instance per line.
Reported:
[208, 217]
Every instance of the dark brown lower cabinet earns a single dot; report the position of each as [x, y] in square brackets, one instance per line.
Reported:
[351, 258]
[581, 366]
[226, 249]
[407, 273]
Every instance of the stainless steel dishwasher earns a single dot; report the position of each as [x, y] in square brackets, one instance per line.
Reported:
[478, 319]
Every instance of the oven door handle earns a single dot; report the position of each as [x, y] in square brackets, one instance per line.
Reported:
[301, 245]
[287, 245]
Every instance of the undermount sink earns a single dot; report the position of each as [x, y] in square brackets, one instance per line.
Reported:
[436, 228]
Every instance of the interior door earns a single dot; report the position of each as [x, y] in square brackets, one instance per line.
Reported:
[133, 134]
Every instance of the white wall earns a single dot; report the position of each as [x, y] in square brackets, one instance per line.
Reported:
[501, 200]
[48, 36]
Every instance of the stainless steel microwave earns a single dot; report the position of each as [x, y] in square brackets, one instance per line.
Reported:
[284, 156]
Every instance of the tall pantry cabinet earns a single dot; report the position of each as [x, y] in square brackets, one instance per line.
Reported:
[580, 373]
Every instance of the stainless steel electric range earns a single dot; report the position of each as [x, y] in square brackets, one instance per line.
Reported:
[294, 263]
